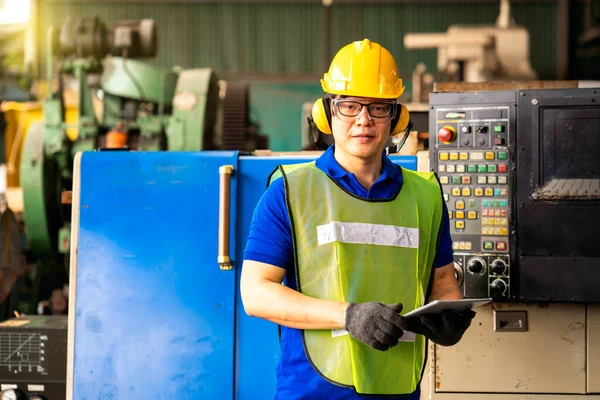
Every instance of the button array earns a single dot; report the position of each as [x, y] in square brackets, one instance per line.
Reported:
[499, 245]
[477, 192]
[476, 189]
[462, 246]
[488, 155]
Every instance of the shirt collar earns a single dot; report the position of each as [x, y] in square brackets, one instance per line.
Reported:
[329, 164]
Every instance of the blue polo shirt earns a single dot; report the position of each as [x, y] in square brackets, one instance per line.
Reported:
[270, 241]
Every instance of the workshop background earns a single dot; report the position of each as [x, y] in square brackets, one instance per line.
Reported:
[282, 48]
[240, 77]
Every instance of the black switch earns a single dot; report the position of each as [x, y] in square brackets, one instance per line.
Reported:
[482, 129]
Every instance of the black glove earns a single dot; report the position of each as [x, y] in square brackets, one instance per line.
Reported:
[375, 324]
[445, 328]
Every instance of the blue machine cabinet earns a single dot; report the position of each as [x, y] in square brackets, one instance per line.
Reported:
[152, 313]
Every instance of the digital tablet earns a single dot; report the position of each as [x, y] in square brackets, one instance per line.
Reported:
[437, 306]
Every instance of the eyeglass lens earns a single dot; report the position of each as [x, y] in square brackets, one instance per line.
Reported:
[352, 108]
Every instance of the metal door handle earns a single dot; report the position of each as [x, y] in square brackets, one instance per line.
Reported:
[223, 257]
[510, 321]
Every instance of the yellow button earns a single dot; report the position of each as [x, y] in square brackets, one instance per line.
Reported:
[504, 231]
[464, 156]
[504, 221]
[472, 215]
[498, 221]
[489, 155]
[460, 224]
[466, 192]
[484, 231]
[478, 192]
[454, 156]
[484, 221]
[444, 180]
[497, 231]
[461, 245]
[489, 192]
[466, 180]
[455, 192]
[467, 245]
[460, 215]
[460, 205]
[443, 156]
[450, 214]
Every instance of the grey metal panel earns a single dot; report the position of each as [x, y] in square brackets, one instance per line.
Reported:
[593, 349]
[549, 358]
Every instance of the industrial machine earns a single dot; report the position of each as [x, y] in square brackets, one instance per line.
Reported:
[511, 162]
[521, 179]
[478, 53]
[124, 103]
[159, 313]
[33, 358]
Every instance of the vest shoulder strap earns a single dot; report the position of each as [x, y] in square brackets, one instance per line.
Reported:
[280, 170]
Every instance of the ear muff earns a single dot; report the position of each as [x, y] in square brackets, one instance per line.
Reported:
[400, 120]
[321, 115]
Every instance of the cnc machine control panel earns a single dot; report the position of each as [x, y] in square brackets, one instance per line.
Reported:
[471, 150]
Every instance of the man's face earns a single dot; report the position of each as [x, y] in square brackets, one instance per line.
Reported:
[362, 136]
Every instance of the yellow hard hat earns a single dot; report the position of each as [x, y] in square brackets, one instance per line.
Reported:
[363, 69]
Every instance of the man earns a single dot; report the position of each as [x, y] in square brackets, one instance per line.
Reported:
[358, 241]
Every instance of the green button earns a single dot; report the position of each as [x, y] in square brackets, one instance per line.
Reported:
[472, 168]
[491, 168]
[482, 168]
[499, 128]
[472, 203]
[456, 180]
[488, 245]
[502, 155]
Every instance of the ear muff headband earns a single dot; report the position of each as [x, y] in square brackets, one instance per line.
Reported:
[321, 115]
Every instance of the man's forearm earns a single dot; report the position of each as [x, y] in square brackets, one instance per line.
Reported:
[284, 306]
[445, 286]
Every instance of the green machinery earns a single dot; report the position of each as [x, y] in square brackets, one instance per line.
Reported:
[150, 107]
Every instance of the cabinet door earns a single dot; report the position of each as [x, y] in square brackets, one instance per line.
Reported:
[152, 313]
[547, 358]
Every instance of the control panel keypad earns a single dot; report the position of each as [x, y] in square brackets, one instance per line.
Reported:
[478, 197]
[472, 154]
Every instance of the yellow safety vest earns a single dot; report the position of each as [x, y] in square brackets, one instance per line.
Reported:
[352, 249]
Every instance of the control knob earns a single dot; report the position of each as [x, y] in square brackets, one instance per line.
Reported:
[447, 134]
[498, 267]
[12, 394]
[497, 288]
[476, 265]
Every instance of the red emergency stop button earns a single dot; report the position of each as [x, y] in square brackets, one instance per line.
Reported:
[447, 134]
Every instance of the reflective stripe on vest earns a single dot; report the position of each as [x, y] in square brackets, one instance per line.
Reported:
[357, 250]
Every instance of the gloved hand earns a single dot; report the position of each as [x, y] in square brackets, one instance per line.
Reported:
[445, 328]
[375, 324]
